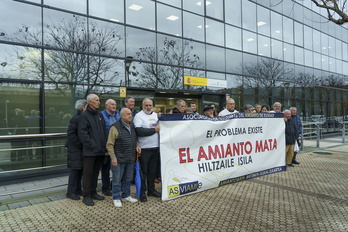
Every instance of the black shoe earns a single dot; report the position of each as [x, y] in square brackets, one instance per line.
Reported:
[143, 197]
[154, 193]
[88, 201]
[97, 197]
[72, 196]
[295, 162]
[107, 192]
[291, 165]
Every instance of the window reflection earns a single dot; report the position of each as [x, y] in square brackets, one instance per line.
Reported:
[16, 27]
[71, 5]
[288, 52]
[249, 15]
[176, 3]
[308, 57]
[195, 6]
[249, 42]
[112, 10]
[194, 55]
[193, 26]
[141, 44]
[276, 26]
[233, 37]
[169, 20]
[234, 61]
[263, 21]
[215, 58]
[215, 32]
[299, 55]
[232, 12]
[141, 13]
[277, 49]
[264, 46]
[288, 30]
[298, 34]
[214, 8]
[18, 62]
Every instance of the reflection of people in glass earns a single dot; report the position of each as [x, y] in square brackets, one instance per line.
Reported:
[52, 122]
[19, 127]
[75, 156]
[33, 123]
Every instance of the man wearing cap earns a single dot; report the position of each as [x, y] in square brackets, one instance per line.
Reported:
[208, 111]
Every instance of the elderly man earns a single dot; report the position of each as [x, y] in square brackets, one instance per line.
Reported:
[180, 107]
[298, 125]
[110, 116]
[122, 148]
[92, 134]
[147, 128]
[230, 108]
[277, 107]
[290, 137]
[208, 111]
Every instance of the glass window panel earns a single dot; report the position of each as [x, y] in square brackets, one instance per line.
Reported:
[249, 15]
[288, 8]
[141, 44]
[308, 38]
[276, 6]
[23, 27]
[264, 46]
[298, 12]
[332, 46]
[248, 60]
[344, 51]
[215, 58]
[234, 61]
[339, 68]
[277, 49]
[338, 49]
[316, 41]
[308, 17]
[176, 3]
[232, 12]
[215, 32]
[249, 42]
[325, 62]
[324, 44]
[107, 9]
[17, 62]
[288, 52]
[298, 34]
[170, 50]
[276, 26]
[345, 68]
[317, 60]
[106, 38]
[194, 6]
[194, 55]
[263, 21]
[193, 26]
[65, 31]
[233, 37]
[332, 64]
[169, 20]
[145, 75]
[63, 66]
[141, 13]
[288, 25]
[308, 57]
[71, 5]
[219, 76]
[214, 9]
[170, 77]
[317, 21]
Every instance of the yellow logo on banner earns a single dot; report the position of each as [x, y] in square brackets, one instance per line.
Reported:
[201, 81]
[173, 191]
[123, 91]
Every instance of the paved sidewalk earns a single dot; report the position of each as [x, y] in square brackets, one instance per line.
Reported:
[312, 196]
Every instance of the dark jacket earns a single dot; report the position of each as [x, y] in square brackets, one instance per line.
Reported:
[73, 144]
[126, 143]
[92, 132]
[176, 111]
[298, 123]
[291, 133]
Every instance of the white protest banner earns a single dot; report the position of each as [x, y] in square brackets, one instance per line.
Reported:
[198, 153]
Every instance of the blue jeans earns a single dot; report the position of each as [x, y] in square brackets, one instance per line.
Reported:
[122, 177]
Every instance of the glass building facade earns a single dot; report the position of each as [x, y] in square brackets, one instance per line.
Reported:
[53, 53]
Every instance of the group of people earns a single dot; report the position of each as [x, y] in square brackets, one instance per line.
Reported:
[111, 140]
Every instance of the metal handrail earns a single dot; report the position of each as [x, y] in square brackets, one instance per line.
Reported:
[32, 169]
[31, 136]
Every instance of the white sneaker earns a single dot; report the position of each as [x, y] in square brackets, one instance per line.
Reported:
[117, 203]
[130, 199]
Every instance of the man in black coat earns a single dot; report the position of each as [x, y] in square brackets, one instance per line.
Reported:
[92, 134]
[291, 135]
[75, 157]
